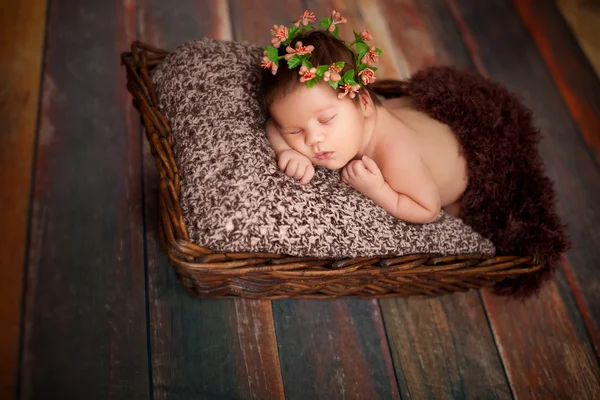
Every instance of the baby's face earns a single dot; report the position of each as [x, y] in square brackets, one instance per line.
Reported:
[313, 121]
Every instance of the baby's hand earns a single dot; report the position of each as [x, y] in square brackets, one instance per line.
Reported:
[363, 175]
[296, 165]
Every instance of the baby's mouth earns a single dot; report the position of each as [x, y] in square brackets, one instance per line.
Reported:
[324, 155]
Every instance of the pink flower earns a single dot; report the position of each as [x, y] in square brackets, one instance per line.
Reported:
[333, 74]
[335, 68]
[351, 91]
[371, 57]
[280, 34]
[367, 75]
[366, 35]
[306, 18]
[266, 63]
[300, 50]
[336, 19]
[307, 74]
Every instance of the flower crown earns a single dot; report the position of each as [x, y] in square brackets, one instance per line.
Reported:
[364, 55]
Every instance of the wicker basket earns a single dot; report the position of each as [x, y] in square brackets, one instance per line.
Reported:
[205, 273]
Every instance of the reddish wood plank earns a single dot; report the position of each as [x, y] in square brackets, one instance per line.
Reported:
[543, 342]
[443, 348]
[21, 45]
[576, 79]
[334, 349]
[209, 348]
[85, 325]
[584, 19]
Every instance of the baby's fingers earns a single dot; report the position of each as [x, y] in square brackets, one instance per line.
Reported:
[358, 167]
[308, 175]
[371, 165]
[291, 168]
[300, 171]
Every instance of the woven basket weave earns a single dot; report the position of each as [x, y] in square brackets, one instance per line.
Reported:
[205, 273]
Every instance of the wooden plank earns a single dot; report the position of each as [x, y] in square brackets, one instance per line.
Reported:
[21, 45]
[334, 348]
[210, 348]
[576, 79]
[584, 19]
[546, 350]
[544, 326]
[442, 348]
[85, 325]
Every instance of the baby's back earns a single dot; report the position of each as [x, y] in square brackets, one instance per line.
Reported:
[438, 146]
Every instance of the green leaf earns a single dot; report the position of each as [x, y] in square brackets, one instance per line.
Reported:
[336, 32]
[321, 69]
[292, 33]
[362, 49]
[378, 51]
[272, 53]
[325, 22]
[357, 36]
[333, 84]
[312, 82]
[294, 61]
[349, 75]
[340, 64]
[306, 63]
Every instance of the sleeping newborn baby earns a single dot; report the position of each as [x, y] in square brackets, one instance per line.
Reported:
[406, 162]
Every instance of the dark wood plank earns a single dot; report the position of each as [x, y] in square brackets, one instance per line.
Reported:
[211, 348]
[21, 45]
[334, 349]
[584, 19]
[545, 349]
[501, 47]
[443, 348]
[328, 349]
[576, 79]
[85, 325]
[580, 89]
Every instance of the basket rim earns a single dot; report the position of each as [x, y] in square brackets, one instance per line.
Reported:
[191, 259]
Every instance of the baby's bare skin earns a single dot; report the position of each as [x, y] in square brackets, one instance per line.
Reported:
[407, 163]
[438, 147]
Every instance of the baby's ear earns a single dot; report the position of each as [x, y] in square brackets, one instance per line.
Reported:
[366, 102]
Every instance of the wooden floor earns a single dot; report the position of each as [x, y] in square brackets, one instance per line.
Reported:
[91, 308]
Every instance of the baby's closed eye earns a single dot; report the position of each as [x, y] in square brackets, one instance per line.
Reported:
[327, 120]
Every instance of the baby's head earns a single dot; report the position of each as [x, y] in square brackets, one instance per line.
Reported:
[318, 119]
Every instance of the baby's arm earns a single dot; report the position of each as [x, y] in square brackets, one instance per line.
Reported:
[289, 160]
[403, 186]
[275, 138]
[410, 192]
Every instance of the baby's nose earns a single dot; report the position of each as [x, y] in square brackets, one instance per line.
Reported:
[313, 138]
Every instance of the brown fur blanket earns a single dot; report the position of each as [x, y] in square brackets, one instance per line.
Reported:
[509, 199]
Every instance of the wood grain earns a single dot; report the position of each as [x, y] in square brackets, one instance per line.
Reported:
[546, 350]
[443, 348]
[333, 349]
[542, 329]
[85, 324]
[210, 348]
[576, 79]
[584, 20]
[21, 45]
